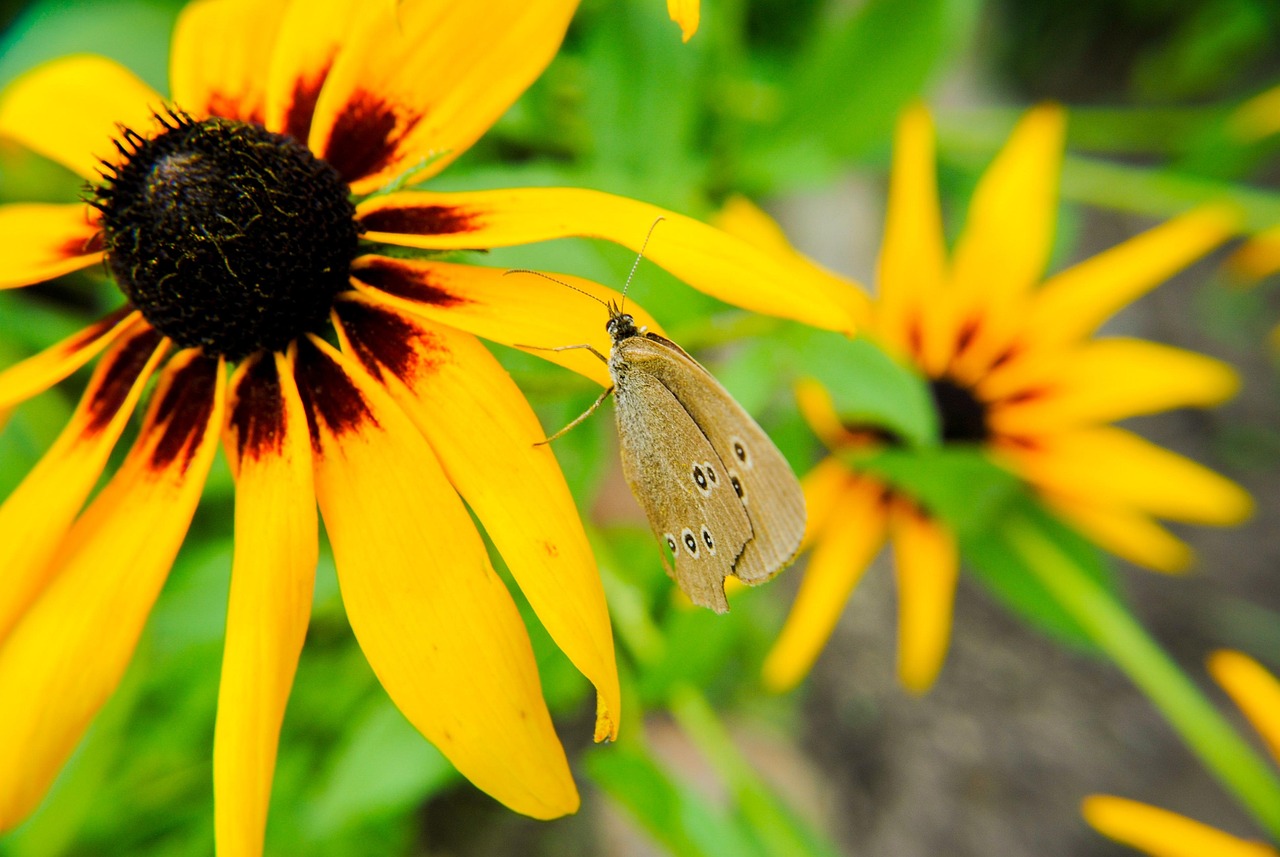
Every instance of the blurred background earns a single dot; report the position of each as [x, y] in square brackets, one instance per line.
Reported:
[792, 103]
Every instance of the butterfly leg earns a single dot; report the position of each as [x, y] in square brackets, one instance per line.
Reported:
[585, 345]
[588, 412]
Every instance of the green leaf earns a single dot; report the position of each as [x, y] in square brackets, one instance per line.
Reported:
[866, 384]
[1003, 570]
[641, 102]
[699, 644]
[133, 32]
[384, 768]
[960, 485]
[774, 825]
[857, 74]
[673, 814]
[976, 498]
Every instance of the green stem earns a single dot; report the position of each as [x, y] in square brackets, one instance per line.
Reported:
[1115, 630]
[627, 609]
[1160, 192]
[1131, 130]
[1155, 191]
[778, 830]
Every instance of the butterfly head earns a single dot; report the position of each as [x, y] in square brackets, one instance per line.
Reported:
[621, 325]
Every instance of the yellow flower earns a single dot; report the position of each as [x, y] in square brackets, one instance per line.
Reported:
[1014, 370]
[236, 218]
[1166, 834]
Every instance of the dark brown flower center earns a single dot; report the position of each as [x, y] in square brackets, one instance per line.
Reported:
[226, 236]
[962, 418]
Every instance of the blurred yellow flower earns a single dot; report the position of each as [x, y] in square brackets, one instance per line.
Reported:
[686, 13]
[1161, 833]
[1259, 257]
[1015, 370]
[1256, 258]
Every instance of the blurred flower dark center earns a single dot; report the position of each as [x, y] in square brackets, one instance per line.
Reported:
[961, 417]
[226, 236]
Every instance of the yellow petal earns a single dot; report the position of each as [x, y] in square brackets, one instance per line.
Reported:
[686, 14]
[1258, 257]
[519, 309]
[1108, 465]
[1254, 690]
[1006, 241]
[40, 242]
[711, 261]
[743, 219]
[67, 654]
[839, 558]
[38, 373]
[1161, 833]
[311, 34]
[219, 57]
[1073, 303]
[271, 582]
[35, 518]
[819, 411]
[1113, 379]
[823, 487]
[432, 616]
[490, 445]
[927, 565]
[1125, 533]
[1005, 245]
[71, 109]
[423, 85]
[913, 311]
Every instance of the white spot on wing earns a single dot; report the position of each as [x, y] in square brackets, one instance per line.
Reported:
[690, 542]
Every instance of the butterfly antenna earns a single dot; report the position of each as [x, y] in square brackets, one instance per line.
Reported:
[636, 263]
[561, 282]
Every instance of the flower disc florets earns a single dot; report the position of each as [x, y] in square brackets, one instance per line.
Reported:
[226, 236]
[962, 417]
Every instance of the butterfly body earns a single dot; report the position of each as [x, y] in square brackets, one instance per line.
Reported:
[715, 489]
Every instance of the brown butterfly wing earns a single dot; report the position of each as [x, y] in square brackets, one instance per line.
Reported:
[769, 491]
[680, 482]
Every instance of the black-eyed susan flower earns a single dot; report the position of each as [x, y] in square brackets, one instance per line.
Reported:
[236, 218]
[1014, 369]
[1162, 833]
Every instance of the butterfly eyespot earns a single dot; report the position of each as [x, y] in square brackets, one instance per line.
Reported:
[690, 542]
[708, 541]
[671, 542]
[700, 479]
[737, 487]
[711, 473]
[740, 451]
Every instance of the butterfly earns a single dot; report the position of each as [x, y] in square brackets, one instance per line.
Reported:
[715, 488]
